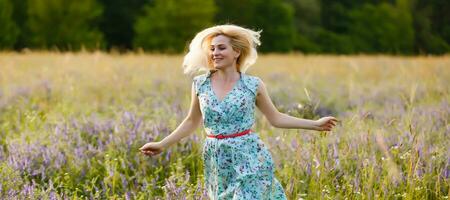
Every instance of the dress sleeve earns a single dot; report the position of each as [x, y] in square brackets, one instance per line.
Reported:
[252, 84]
[197, 82]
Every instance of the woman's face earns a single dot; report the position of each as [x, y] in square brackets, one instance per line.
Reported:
[221, 52]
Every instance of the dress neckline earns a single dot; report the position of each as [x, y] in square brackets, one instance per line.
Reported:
[228, 93]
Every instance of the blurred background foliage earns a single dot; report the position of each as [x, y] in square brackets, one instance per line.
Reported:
[166, 26]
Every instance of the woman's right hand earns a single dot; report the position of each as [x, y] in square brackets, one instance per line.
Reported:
[152, 148]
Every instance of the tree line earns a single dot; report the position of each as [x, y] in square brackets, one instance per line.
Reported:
[166, 26]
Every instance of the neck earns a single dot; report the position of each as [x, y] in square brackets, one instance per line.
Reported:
[228, 74]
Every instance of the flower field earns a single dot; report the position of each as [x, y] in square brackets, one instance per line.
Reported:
[71, 125]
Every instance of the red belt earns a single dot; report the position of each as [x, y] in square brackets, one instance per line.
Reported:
[220, 136]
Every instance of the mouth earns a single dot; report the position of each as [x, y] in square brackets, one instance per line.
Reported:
[217, 59]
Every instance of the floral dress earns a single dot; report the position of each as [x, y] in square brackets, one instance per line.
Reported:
[239, 167]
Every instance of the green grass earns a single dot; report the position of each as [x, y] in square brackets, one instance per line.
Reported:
[71, 125]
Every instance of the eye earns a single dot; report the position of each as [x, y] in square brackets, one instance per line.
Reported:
[220, 48]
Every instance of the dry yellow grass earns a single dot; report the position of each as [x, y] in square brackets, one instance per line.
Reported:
[395, 97]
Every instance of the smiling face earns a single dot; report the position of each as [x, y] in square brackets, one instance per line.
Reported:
[222, 53]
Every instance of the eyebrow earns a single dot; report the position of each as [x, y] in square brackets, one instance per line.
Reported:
[220, 44]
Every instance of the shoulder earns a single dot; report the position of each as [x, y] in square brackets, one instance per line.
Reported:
[199, 79]
[250, 77]
[251, 82]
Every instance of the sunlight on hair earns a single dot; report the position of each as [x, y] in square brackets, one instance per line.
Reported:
[245, 40]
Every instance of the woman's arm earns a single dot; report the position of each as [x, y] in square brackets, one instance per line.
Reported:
[187, 127]
[281, 120]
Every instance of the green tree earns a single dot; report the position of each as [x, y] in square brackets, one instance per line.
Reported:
[334, 16]
[307, 24]
[382, 28]
[168, 25]
[332, 42]
[277, 23]
[65, 24]
[20, 16]
[441, 18]
[427, 38]
[274, 17]
[8, 28]
[117, 21]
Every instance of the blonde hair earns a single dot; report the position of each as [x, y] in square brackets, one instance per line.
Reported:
[241, 39]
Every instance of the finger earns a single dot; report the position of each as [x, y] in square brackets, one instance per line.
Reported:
[153, 153]
[149, 149]
[144, 148]
[330, 123]
[334, 119]
[324, 128]
[149, 154]
[327, 125]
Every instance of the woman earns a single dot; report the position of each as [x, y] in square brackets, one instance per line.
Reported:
[237, 165]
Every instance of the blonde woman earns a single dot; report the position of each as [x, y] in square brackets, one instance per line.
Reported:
[237, 165]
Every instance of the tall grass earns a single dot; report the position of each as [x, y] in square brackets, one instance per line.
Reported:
[71, 125]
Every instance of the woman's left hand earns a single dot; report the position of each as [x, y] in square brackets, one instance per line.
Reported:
[325, 123]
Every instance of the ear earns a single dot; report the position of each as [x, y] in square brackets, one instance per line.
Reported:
[237, 53]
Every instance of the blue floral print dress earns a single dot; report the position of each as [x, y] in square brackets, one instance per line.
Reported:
[239, 167]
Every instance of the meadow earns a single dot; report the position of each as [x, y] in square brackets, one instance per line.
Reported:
[71, 125]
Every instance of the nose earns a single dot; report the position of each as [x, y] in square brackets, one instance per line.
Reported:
[215, 52]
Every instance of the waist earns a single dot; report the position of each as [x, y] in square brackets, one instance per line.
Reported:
[221, 136]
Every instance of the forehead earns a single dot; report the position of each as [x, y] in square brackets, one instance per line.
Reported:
[220, 39]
